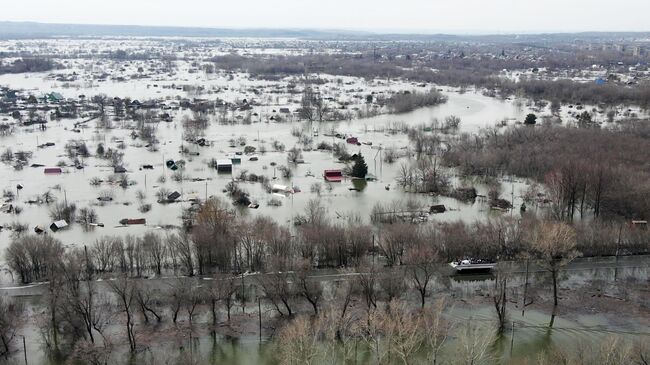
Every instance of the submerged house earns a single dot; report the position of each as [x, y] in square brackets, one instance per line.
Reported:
[52, 170]
[352, 140]
[224, 165]
[58, 225]
[277, 188]
[173, 196]
[132, 221]
[333, 175]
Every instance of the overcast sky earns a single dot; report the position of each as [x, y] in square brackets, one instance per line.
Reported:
[451, 16]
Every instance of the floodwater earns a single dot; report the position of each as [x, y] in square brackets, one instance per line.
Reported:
[531, 336]
[476, 111]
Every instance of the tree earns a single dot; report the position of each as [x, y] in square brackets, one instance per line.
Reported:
[147, 300]
[279, 289]
[403, 331]
[499, 296]
[31, 256]
[299, 342]
[124, 290]
[421, 260]
[554, 244]
[180, 245]
[436, 330]
[584, 118]
[531, 119]
[307, 110]
[473, 345]
[360, 169]
[310, 289]
[10, 317]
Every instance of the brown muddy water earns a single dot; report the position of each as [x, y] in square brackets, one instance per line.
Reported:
[531, 336]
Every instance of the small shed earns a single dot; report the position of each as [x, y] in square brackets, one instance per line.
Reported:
[224, 165]
[58, 225]
[52, 170]
[352, 140]
[119, 169]
[439, 208]
[278, 188]
[173, 196]
[131, 221]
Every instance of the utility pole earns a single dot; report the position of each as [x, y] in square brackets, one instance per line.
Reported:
[512, 339]
[618, 245]
[512, 199]
[259, 311]
[523, 304]
[25, 349]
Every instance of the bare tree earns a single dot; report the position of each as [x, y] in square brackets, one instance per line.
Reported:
[124, 289]
[310, 289]
[147, 300]
[31, 256]
[473, 345]
[499, 297]
[393, 284]
[279, 290]
[180, 245]
[366, 281]
[10, 319]
[421, 260]
[156, 250]
[299, 342]
[436, 330]
[554, 244]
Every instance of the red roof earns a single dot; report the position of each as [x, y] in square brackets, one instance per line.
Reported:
[333, 175]
[354, 140]
[52, 170]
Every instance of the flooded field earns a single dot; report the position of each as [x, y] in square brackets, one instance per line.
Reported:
[570, 329]
[187, 82]
[371, 184]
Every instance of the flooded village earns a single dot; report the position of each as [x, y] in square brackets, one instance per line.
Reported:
[324, 199]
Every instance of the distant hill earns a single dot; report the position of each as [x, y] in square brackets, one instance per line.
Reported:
[26, 30]
[9, 30]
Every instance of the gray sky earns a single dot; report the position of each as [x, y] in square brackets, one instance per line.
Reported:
[451, 16]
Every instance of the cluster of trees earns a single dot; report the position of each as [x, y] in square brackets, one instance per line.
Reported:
[10, 320]
[408, 101]
[591, 172]
[411, 258]
[28, 64]
[449, 70]
[423, 175]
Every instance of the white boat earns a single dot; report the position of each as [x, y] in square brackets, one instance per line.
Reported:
[472, 265]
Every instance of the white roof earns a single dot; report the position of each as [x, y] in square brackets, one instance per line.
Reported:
[61, 224]
[224, 162]
[279, 187]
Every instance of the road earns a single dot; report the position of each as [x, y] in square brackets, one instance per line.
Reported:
[604, 268]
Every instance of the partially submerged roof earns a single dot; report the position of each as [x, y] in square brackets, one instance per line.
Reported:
[52, 170]
[60, 224]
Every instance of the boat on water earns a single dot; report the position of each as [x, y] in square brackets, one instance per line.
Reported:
[473, 265]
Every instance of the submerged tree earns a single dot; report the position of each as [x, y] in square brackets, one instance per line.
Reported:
[360, 168]
[530, 119]
[554, 244]
[10, 317]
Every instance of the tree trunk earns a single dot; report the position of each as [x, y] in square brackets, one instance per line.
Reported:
[554, 274]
